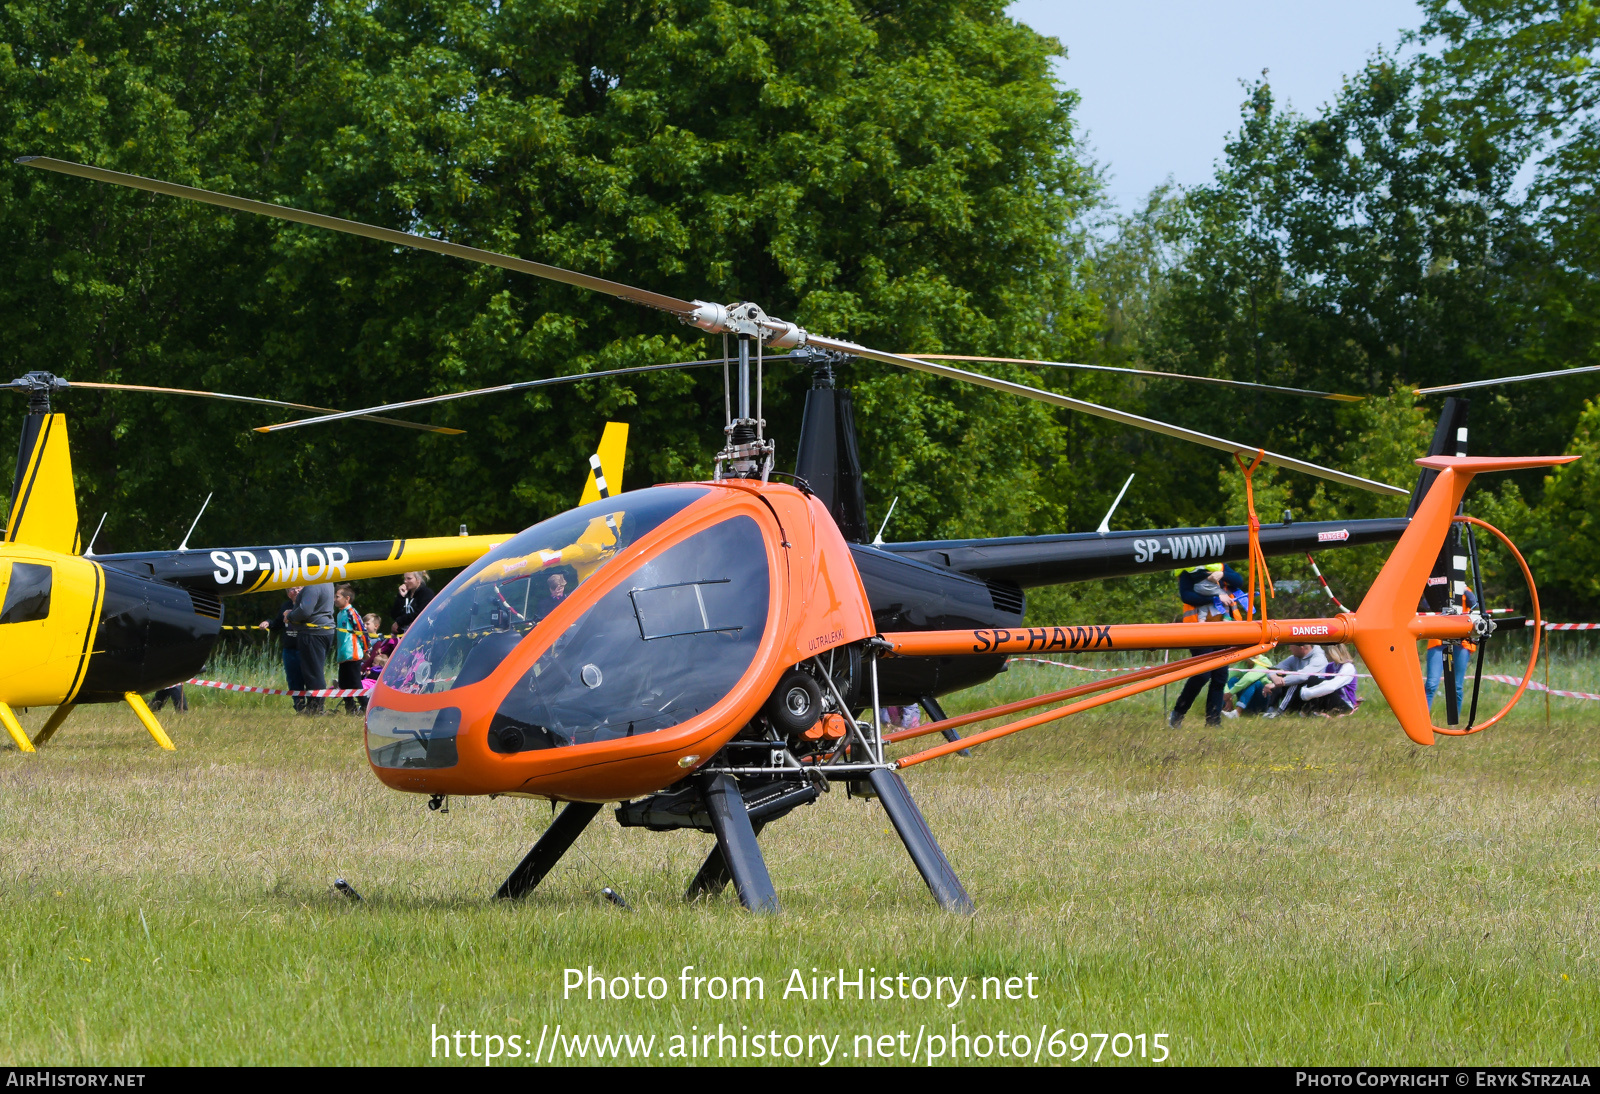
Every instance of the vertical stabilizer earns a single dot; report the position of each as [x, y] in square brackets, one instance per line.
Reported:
[44, 507]
[1449, 574]
[613, 449]
[1383, 635]
[829, 459]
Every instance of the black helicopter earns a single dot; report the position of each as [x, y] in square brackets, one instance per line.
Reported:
[973, 583]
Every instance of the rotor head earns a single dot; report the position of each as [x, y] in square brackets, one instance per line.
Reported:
[38, 386]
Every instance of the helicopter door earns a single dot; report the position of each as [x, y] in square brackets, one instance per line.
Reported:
[44, 616]
[26, 641]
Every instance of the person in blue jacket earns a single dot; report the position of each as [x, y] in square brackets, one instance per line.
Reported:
[1213, 592]
[1460, 654]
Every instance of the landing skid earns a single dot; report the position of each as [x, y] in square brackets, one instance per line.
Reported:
[562, 833]
[716, 802]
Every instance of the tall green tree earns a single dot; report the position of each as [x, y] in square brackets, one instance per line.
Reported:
[903, 174]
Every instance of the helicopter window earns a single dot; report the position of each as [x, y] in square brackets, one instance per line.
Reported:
[653, 652]
[667, 611]
[479, 618]
[28, 595]
[405, 738]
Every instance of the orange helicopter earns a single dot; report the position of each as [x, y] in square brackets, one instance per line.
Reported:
[702, 653]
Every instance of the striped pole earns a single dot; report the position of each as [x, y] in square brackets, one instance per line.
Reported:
[1325, 587]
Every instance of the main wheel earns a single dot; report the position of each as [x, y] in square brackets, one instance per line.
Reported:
[796, 702]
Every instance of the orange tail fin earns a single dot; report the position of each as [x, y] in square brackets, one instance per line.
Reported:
[1383, 621]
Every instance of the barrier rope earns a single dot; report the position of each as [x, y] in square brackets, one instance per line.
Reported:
[331, 693]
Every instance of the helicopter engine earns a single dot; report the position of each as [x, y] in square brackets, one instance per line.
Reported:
[149, 635]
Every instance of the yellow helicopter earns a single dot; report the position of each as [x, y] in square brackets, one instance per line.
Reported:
[76, 627]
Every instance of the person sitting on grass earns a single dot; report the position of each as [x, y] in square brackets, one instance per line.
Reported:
[1335, 694]
[1245, 685]
[1304, 665]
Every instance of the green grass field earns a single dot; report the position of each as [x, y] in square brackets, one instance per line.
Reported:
[1297, 891]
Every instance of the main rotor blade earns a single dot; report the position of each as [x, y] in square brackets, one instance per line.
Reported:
[521, 385]
[1099, 411]
[258, 402]
[1507, 380]
[1305, 392]
[672, 304]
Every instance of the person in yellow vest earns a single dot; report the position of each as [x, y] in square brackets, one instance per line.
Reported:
[1208, 593]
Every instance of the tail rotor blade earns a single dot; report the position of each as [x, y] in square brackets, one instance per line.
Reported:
[1303, 392]
[1106, 412]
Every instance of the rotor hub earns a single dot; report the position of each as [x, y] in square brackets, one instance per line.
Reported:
[39, 386]
[747, 320]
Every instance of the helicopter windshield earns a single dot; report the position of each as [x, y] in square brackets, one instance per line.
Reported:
[655, 651]
[481, 616]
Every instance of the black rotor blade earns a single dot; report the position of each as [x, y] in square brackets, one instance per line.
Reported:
[1553, 375]
[1109, 413]
[1276, 389]
[682, 308]
[521, 385]
[257, 401]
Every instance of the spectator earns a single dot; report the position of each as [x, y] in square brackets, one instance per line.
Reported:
[1335, 694]
[901, 717]
[1305, 664]
[313, 611]
[378, 653]
[374, 625]
[414, 596]
[1208, 593]
[555, 593]
[1460, 653]
[175, 693]
[351, 635]
[291, 647]
[1244, 688]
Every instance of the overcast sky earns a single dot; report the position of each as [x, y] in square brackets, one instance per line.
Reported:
[1160, 78]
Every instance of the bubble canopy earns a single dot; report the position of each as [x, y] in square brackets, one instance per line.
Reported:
[483, 614]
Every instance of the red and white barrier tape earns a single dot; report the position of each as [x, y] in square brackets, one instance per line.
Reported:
[330, 693]
[1494, 677]
[1325, 587]
[1534, 685]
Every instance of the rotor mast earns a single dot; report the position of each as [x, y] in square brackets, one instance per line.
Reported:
[747, 453]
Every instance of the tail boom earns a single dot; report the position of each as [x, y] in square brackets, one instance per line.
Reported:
[1385, 628]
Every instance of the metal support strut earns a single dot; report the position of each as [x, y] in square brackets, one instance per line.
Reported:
[562, 833]
[736, 839]
[920, 844]
[714, 874]
[936, 713]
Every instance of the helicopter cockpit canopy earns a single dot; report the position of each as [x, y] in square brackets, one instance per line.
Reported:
[481, 617]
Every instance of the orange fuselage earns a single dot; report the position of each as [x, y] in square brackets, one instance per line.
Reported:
[814, 603]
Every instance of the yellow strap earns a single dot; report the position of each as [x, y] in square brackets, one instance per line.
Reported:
[14, 728]
[136, 701]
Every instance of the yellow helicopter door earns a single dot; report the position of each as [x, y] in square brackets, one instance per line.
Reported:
[46, 612]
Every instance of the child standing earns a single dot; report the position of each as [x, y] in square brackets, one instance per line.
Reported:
[352, 644]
